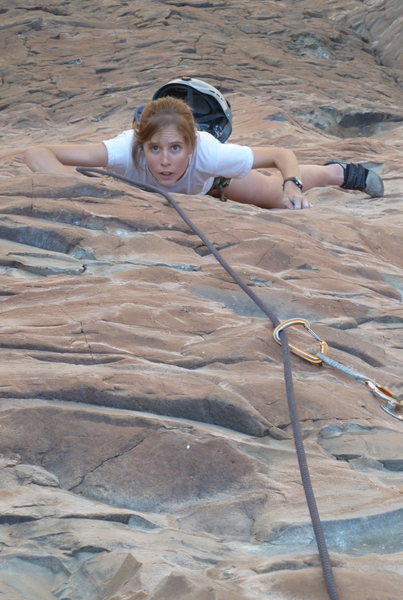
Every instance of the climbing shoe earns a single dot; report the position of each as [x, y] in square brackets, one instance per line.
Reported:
[358, 177]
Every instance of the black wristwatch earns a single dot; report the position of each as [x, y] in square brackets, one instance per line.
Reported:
[295, 180]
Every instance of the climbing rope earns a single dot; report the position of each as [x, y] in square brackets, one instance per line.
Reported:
[292, 405]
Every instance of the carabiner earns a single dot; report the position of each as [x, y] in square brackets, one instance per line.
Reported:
[388, 401]
[393, 405]
[302, 353]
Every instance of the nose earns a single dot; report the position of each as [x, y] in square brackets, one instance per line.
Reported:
[165, 160]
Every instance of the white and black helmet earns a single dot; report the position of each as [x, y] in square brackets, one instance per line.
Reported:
[211, 111]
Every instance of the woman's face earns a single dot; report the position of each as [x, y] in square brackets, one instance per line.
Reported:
[167, 155]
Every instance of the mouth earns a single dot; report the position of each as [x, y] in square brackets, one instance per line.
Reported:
[167, 177]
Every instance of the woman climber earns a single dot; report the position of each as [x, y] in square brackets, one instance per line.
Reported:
[176, 143]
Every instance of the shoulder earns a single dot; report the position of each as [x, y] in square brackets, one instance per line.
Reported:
[208, 147]
[206, 140]
[218, 159]
[206, 137]
[125, 137]
[119, 149]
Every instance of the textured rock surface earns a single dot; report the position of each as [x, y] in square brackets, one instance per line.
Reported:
[146, 450]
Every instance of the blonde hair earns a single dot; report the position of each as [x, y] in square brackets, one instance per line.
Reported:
[161, 113]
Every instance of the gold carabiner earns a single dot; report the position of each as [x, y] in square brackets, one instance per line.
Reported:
[393, 406]
[302, 353]
[390, 403]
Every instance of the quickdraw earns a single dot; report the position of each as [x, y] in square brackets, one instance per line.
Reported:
[390, 403]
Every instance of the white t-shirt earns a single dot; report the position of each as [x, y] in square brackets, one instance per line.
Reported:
[210, 159]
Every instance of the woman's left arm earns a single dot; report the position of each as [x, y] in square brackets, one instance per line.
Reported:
[266, 157]
[286, 162]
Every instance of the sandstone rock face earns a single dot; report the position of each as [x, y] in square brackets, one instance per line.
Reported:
[146, 449]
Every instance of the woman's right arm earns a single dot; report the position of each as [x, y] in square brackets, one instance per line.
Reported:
[60, 159]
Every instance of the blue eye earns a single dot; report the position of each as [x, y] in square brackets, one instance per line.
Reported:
[176, 147]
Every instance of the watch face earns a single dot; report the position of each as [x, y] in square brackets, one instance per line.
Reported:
[295, 180]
